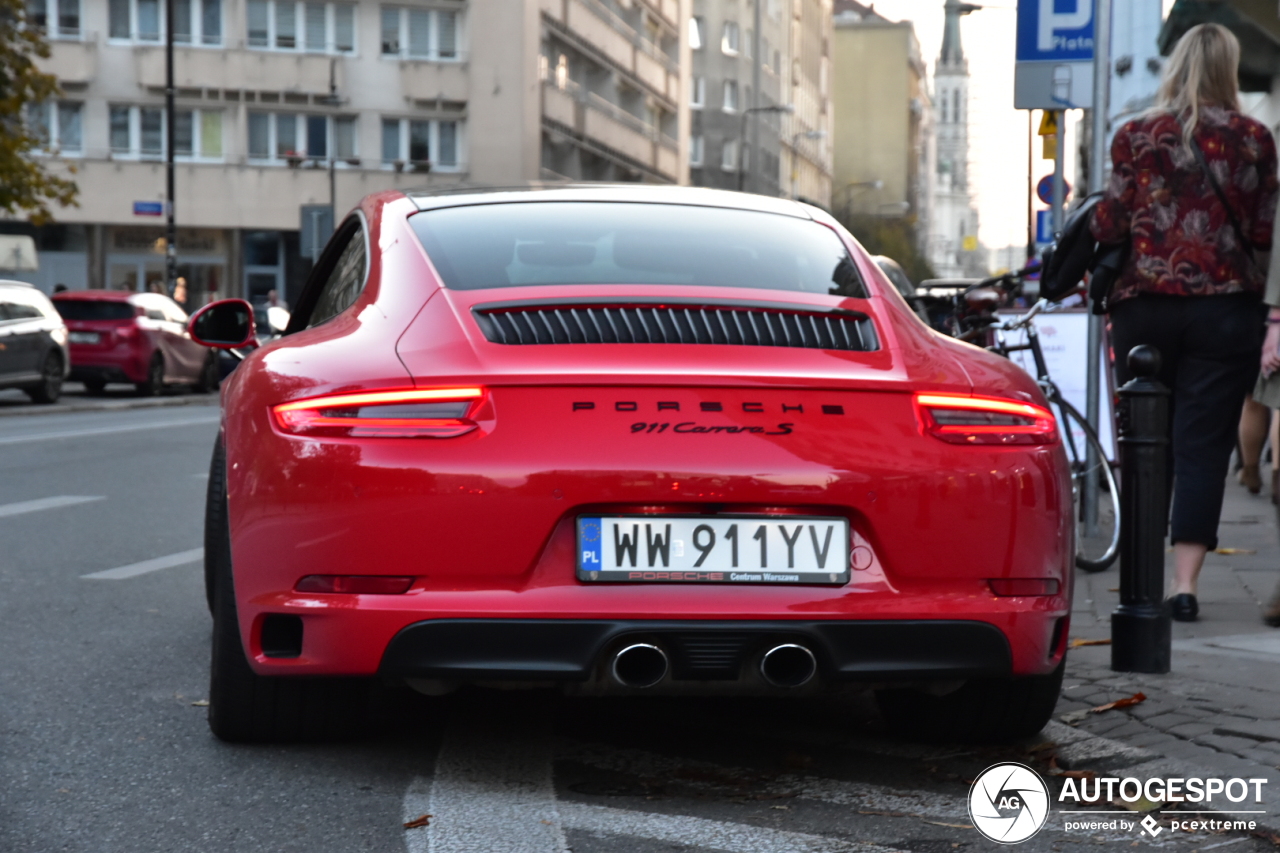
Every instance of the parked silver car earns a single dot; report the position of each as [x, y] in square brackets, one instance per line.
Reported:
[33, 343]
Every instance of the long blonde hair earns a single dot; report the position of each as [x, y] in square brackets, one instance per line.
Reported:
[1201, 71]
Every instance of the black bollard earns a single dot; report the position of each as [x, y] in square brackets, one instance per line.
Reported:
[1140, 626]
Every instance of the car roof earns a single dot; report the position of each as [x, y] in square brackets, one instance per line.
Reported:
[10, 282]
[99, 295]
[460, 195]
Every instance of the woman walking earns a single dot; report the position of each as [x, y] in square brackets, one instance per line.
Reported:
[1193, 189]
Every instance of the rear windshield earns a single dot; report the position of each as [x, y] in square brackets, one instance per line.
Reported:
[510, 245]
[93, 309]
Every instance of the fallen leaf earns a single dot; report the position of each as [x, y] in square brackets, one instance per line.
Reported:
[547, 822]
[1120, 703]
[201, 703]
[1041, 747]
[1073, 717]
[1113, 589]
[419, 821]
[951, 825]
[1233, 551]
[1077, 643]
[1142, 804]
[780, 807]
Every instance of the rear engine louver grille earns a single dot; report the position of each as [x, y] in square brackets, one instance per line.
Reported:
[678, 324]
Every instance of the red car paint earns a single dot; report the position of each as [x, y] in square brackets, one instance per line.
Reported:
[484, 521]
[126, 346]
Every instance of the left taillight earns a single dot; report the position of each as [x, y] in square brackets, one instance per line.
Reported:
[402, 413]
[960, 419]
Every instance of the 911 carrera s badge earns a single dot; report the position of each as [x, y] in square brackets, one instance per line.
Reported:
[705, 429]
[721, 549]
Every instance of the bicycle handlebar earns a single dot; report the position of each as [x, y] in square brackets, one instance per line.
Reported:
[1006, 279]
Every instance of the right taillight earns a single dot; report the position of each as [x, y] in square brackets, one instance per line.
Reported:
[960, 419]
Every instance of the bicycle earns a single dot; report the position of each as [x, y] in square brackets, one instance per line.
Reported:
[972, 318]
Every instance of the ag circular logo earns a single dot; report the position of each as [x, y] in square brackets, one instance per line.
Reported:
[1008, 803]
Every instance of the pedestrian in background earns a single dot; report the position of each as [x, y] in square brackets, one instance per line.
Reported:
[1193, 189]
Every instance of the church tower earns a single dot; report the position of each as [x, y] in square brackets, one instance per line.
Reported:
[955, 217]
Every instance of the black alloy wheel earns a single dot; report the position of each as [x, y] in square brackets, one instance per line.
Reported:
[50, 387]
[208, 379]
[154, 383]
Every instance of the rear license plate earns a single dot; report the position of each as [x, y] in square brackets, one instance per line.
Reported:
[723, 549]
[83, 337]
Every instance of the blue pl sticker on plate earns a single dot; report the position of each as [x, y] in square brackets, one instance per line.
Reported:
[589, 543]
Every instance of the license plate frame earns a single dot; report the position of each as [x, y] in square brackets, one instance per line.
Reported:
[821, 539]
[84, 337]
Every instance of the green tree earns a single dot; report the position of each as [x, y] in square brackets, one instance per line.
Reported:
[26, 184]
[894, 237]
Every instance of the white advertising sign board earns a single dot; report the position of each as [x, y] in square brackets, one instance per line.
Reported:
[1064, 338]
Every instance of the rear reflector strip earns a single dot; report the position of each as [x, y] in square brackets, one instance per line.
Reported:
[355, 584]
[1024, 586]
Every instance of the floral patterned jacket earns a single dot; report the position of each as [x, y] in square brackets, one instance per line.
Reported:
[1183, 240]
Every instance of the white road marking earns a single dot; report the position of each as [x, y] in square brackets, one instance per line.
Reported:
[700, 832]
[491, 792]
[154, 565]
[46, 503]
[858, 794]
[81, 433]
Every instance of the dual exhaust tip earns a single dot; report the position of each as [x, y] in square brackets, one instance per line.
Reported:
[643, 665]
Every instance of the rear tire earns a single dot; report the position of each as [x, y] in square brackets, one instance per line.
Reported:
[984, 710]
[245, 707]
[154, 383]
[50, 387]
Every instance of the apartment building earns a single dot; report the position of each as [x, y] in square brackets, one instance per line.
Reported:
[287, 106]
[746, 64]
[883, 119]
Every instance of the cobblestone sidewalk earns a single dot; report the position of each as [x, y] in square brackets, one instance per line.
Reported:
[1218, 712]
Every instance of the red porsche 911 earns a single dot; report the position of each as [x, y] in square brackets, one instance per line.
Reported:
[626, 440]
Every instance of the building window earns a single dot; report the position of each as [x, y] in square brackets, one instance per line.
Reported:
[730, 42]
[955, 106]
[696, 148]
[306, 27]
[419, 33]
[697, 27]
[729, 156]
[422, 144]
[139, 133]
[57, 125]
[197, 134]
[58, 18]
[194, 21]
[943, 100]
[748, 45]
[698, 95]
[296, 137]
[731, 96]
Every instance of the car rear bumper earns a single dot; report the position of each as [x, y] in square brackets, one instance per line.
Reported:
[577, 649]
[117, 364]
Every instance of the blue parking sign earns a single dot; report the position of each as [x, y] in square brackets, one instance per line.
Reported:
[1055, 30]
[1044, 226]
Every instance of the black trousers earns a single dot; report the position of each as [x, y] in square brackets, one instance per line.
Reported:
[1209, 347]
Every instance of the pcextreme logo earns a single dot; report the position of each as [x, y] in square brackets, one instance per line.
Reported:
[1008, 803]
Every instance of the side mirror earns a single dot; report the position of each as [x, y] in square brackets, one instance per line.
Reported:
[225, 324]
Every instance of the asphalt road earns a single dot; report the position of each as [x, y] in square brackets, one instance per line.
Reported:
[104, 745]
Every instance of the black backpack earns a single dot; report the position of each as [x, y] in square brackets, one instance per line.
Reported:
[1075, 252]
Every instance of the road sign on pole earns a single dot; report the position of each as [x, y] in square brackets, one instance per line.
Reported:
[1054, 68]
[1044, 189]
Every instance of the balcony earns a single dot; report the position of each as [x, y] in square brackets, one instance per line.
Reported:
[235, 69]
[595, 119]
[600, 28]
[72, 62]
[423, 79]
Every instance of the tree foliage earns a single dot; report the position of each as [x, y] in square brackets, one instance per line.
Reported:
[26, 184]
[894, 237]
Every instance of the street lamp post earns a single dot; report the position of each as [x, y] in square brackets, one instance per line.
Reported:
[742, 133]
[795, 140]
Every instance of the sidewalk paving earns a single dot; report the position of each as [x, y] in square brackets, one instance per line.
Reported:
[1217, 713]
[116, 398]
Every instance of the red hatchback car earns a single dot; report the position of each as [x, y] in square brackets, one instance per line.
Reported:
[627, 440]
[118, 336]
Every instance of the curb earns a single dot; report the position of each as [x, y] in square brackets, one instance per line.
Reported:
[1081, 750]
[110, 405]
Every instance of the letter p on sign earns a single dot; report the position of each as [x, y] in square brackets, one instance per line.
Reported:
[1050, 20]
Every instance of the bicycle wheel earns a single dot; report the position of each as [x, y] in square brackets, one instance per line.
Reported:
[1097, 544]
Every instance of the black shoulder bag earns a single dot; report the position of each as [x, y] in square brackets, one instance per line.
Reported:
[1075, 252]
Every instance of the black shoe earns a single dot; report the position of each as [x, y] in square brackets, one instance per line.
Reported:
[1184, 607]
